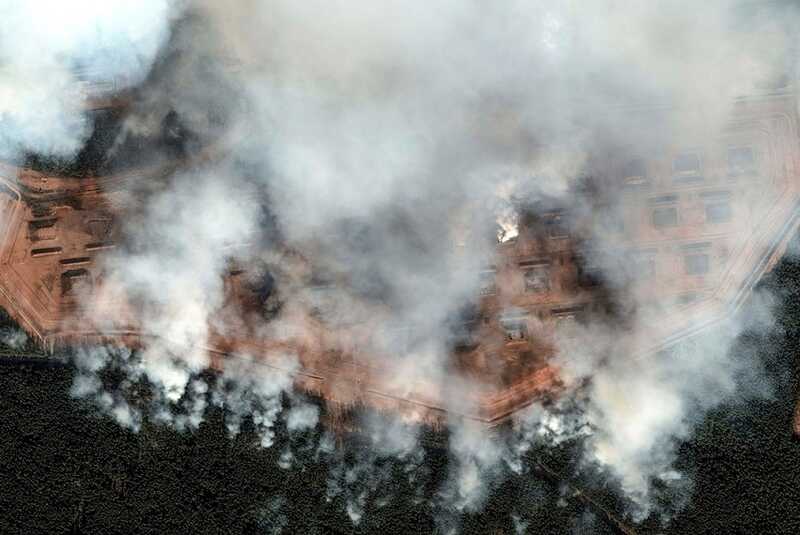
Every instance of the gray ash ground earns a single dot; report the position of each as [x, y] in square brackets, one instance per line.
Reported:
[66, 469]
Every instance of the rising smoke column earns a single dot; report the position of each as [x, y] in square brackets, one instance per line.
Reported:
[48, 47]
[422, 109]
[388, 119]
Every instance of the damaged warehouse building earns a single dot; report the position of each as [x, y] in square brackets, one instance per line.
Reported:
[687, 232]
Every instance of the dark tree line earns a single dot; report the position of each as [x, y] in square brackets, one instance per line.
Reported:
[66, 469]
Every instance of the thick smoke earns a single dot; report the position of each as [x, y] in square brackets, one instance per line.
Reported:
[53, 55]
[385, 141]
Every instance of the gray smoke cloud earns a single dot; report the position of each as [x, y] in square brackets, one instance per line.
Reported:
[88, 384]
[390, 139]
[13, 338]
[54, 55]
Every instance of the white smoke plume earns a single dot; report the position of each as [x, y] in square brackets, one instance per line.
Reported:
[13, 338]
[364, 480]
[248, 391]
[372, 128]
[53, 55]
[88, 384]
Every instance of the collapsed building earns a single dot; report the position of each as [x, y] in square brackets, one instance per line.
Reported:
[687, 229]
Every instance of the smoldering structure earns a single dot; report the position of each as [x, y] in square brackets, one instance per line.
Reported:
[654, 242]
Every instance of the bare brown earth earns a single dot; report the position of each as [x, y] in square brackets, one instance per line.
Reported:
[692, 266]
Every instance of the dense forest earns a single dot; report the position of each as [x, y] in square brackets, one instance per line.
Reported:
[65, 468]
